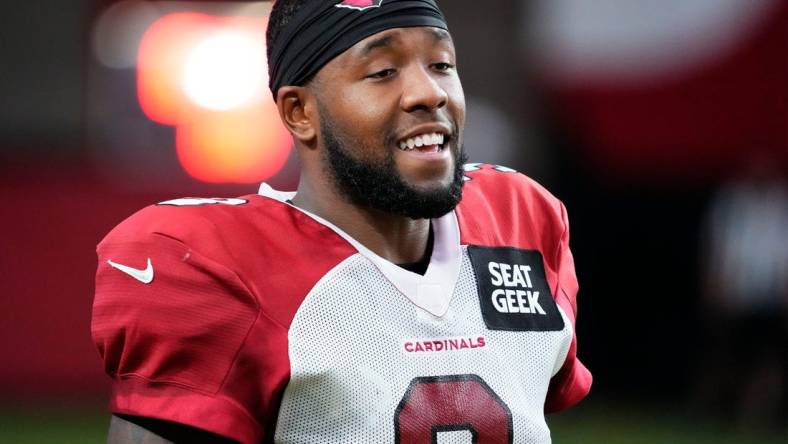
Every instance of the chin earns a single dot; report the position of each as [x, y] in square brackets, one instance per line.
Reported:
[430, 185]
[426, 176]
[427, 185]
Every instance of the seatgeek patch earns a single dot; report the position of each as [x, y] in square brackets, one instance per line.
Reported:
[513, 290]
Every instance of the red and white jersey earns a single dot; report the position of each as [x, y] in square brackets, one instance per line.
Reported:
[257, 321]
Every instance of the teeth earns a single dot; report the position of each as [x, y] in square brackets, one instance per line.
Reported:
[422, 140]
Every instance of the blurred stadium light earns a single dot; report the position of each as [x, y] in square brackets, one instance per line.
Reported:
[200, 68]
[224, 71]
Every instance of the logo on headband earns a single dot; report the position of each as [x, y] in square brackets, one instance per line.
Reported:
[359, 4]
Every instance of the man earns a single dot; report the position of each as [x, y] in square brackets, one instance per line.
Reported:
[397, 296]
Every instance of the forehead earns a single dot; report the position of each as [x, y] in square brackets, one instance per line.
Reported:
[424, 36]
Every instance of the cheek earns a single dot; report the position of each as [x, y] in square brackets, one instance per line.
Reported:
[369, 100]
[363, 115]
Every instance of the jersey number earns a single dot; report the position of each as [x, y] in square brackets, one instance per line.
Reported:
[432, 405]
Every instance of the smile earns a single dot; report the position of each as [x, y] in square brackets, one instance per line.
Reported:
[428, 142]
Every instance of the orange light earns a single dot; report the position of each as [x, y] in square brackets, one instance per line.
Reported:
[216, 145]
[161, 57]
[238, 140]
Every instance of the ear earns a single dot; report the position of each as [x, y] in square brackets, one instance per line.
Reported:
[297, 108]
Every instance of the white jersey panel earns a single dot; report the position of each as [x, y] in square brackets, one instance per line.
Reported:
[356, 345]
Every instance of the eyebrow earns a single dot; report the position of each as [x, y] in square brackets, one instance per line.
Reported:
[377, 43]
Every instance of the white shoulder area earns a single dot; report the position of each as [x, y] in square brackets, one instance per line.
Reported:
[195, 201]
[281, 196]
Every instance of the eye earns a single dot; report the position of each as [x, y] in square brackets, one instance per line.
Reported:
[443, 66]
[382, 74]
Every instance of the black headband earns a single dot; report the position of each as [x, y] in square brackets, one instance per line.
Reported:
[322, 30]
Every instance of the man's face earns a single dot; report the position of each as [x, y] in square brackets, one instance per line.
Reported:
[392, 112]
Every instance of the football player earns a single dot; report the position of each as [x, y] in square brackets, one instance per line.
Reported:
[399, 296]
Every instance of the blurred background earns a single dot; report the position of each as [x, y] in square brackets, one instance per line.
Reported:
[662, 125]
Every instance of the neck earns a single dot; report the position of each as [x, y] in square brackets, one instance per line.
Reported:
[395, 238]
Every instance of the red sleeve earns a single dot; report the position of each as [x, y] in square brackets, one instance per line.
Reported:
[573, 382]
[170, 344]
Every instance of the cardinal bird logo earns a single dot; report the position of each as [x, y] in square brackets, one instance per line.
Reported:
[360, 5]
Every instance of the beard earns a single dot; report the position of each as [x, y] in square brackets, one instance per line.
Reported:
[377, 184]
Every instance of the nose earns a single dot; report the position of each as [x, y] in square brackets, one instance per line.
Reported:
[422, 91]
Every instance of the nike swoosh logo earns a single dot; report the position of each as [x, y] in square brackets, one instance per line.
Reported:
[145, 276]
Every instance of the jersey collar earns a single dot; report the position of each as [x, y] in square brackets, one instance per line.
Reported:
[431, 292]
